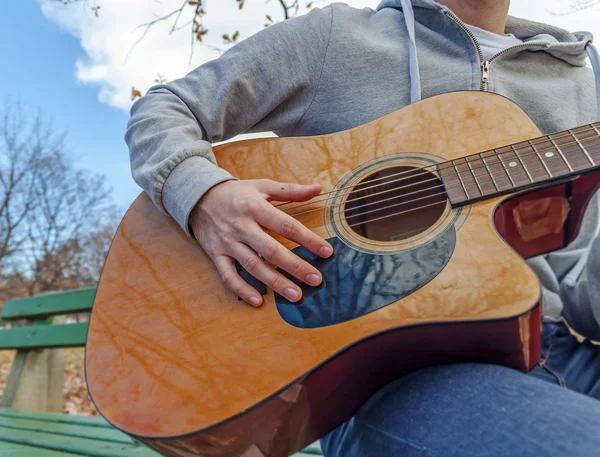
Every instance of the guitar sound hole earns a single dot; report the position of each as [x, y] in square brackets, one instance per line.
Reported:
[395, 204]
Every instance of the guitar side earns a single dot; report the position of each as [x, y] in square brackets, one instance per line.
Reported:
[204, 373]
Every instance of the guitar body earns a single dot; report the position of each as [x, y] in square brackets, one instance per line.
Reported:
[177, 361]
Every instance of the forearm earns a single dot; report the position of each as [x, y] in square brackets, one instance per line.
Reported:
[170, 159]
[265, 83]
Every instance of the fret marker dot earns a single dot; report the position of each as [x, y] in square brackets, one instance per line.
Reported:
[512, 164]
[549, 154]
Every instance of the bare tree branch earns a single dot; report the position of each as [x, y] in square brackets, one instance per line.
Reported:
[56, 221]
[575, 6]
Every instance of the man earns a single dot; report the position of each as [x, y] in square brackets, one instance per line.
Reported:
[340, 67]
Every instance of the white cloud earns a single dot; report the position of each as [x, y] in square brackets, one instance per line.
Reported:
[107, 39]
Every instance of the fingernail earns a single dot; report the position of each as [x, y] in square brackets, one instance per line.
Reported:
[291, 294]
[313, 279]
[325, 251]
[254, 301]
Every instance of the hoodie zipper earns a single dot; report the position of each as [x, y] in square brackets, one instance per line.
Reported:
[485, 64]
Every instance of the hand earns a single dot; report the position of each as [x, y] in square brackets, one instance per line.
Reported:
[230, 222]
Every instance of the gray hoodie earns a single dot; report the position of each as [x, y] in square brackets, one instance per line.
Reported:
[339, 67]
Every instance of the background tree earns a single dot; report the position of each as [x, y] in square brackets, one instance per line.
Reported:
[56, 220]
[23, 147]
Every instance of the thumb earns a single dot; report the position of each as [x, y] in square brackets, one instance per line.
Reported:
[288, 192]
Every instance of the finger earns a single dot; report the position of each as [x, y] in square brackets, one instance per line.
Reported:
[290, 228]
[288, 192]
[234, 282]
[274, 252]
[258, 268]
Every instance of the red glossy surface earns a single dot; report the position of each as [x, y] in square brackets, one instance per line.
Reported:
[546, 220]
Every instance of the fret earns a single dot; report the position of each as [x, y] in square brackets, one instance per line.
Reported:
[460, 179]
[514, 166]
[489, 172]
[500, 180]
[483, 177]
[595, 130]
[451, 179]
[582, 148]
[522, 163]
[561, 153]
[474, 175]
[571, 150]
[589, 137]
[595, 152]
[537, 153]
[533, 164]
[469, 178]
[550, 157]
[505, 169]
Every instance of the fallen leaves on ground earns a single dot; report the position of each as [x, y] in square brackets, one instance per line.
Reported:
[76, 398]
[75, 394]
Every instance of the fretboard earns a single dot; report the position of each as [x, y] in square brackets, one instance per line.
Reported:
[527, 164]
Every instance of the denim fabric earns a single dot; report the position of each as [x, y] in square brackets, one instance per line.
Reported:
[472, 409]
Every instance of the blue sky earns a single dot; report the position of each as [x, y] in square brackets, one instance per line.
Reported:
[38, 68]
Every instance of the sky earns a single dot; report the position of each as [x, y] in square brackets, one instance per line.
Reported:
[78, 69]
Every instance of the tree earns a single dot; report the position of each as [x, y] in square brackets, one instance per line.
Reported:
[24, 145]
[578, 5]
[190, 15]
[198, 9]
[57, 221]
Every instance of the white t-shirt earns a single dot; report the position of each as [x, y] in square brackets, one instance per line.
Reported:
[492, 43]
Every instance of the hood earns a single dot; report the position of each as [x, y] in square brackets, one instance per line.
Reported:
[564, 45]
[570, 47]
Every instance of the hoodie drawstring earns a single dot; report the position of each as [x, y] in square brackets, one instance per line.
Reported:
[415, 96]
[415, 78]
[595, 59]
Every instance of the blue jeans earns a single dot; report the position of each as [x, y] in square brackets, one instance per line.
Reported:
[472, 409]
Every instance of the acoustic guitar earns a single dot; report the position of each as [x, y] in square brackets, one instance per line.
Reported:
[430, 210]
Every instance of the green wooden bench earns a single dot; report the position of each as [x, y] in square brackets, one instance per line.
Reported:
[28, 427]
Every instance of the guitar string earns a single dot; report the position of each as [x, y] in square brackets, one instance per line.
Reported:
[519, 175]
[494, 152]
[487, 165]
[396, 204]
[469, 172]
[497, 160]
[324, 232]
[441, 186]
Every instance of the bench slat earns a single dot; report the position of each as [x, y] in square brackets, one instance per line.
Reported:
[90, 421]
[22, 450]
[50, 304]
[314, 449]
[59, 428]
[44, 336]
[74, 445]
[80, 426]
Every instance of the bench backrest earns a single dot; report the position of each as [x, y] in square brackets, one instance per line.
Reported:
[39, 332]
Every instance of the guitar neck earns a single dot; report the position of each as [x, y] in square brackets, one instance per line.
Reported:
[531, 163]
